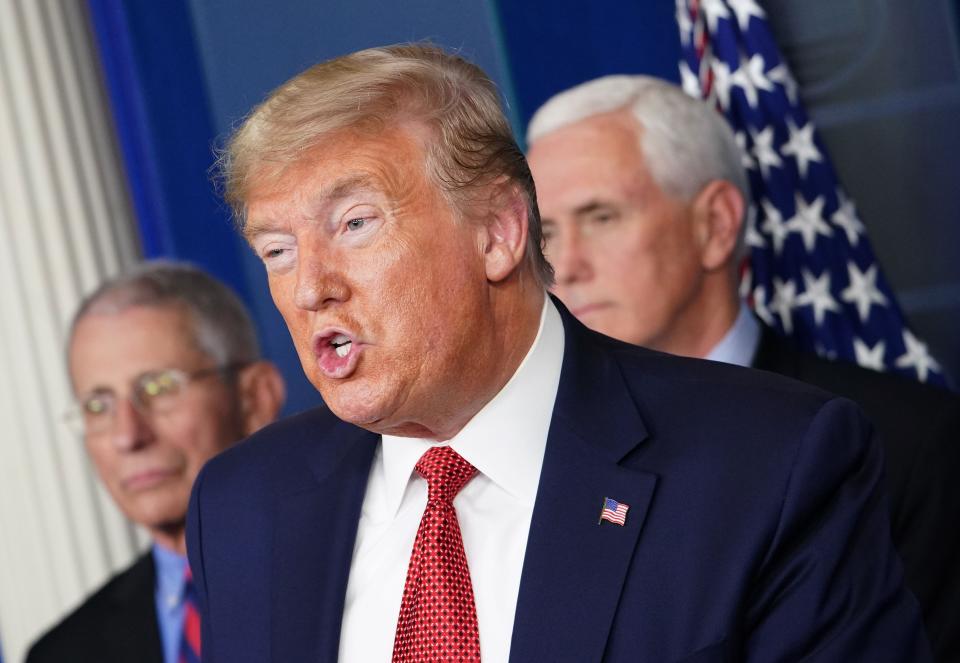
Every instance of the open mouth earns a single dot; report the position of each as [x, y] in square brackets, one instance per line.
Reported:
[337, 354]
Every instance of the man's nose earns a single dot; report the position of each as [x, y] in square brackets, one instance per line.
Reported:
[319, 284]
[571, 258]
[131, 429]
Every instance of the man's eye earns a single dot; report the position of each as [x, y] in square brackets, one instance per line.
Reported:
[356, 224]
[96, 406]
[161, 384]
[273, 253]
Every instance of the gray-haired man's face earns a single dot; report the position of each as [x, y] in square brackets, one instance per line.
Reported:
[625, 254]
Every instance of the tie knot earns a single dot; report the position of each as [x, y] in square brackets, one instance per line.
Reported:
[446, 473]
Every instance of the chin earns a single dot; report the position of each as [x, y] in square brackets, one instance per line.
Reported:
[357, 411]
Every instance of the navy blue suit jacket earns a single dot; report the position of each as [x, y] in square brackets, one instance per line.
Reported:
[757, 528]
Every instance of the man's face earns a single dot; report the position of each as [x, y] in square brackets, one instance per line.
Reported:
[148, 462]
[624, 252]
[383, 290]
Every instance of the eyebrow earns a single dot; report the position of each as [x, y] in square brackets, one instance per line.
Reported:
[339, 190]
[581, 210]
[591, 206]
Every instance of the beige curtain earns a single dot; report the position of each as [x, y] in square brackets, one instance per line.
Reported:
[65, 223]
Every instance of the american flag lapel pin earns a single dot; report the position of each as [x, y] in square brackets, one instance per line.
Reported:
[613, 512]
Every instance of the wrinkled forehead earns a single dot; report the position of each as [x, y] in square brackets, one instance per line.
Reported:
[111, 347]
[366, 149]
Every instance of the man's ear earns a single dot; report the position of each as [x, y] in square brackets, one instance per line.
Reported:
[262, 392]
[505, 235]
[719, 216]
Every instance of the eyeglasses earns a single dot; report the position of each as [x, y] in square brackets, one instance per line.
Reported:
[154, 393]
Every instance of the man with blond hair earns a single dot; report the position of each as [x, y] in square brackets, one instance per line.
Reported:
[643, 198]
[492, 480]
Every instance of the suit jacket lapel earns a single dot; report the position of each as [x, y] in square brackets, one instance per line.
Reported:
[316, 525]
[574, 568]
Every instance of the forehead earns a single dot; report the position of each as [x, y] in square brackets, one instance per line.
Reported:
[108, 349]
[387, 162]
[598, 156]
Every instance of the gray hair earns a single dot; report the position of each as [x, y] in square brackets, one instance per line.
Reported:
[685, 143]
[222, 328]
[472, 144]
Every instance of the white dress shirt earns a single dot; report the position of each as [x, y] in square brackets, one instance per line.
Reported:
[505, 441]
[739, 344]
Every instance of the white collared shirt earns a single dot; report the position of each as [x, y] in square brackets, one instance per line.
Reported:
[505, 441]
[739, 344]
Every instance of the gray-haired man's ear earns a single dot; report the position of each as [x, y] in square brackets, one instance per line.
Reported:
[262, 393]
[718, 214]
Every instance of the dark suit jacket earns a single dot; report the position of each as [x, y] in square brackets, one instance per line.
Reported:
[757, 527]
[117, 624]
[919, 428]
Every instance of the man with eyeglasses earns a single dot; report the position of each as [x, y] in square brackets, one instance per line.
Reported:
[166, 370]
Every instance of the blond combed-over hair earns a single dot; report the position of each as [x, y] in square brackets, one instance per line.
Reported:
[471, 145]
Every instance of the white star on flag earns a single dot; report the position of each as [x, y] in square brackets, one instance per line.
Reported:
[763, 149]
[846, 218]
[684, 22]
[863, 291]
[784, 299]
[760, 305]
[745, 159]
[916, 356]
[807, 220]
[869, 357]
[713, 11]
[744, 9]
[817, 294]
[749, 77]
[774, 226]
[689, 80]
[780, 74]
[801, 147]
[721, 82]
[751, 237]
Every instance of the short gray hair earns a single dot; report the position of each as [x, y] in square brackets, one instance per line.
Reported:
[222, 328]
[472, 144]
[686, 144]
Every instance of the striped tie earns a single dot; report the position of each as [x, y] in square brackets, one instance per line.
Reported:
[190, 643]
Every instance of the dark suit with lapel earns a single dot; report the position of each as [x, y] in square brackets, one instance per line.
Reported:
[117, 624]
[757, 527]
[919, 428]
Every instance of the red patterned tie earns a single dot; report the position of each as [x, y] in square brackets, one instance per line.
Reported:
[190, 642]
[438, 617]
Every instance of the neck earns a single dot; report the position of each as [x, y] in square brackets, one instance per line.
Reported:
[700, 326]
[171, 537]
[513, 323]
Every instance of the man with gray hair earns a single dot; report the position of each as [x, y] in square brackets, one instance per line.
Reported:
[167, 373]
[492, 479]
[643, 200]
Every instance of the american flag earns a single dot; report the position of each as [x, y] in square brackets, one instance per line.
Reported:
[613, 511]
[811, 272]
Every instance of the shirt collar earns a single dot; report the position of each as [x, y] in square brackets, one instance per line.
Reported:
[171, 575]
[740, 343]
[506, 439]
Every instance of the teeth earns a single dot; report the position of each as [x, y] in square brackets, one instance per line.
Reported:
[339, 339]
[343, 350]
